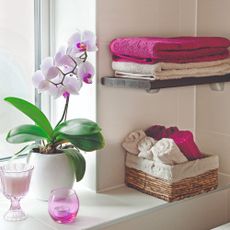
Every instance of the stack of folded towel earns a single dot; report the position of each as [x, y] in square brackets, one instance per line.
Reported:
[169, 58]
[162, 145]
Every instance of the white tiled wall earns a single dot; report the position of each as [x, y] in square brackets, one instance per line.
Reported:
[122, 110]
[213, 108]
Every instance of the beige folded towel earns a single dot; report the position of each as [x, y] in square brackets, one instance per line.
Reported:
[165, 151]
[165, 70]
[130, 142]
[144, 146]
[218, 70]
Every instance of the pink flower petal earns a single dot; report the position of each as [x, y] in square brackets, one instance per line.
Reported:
[60, 53]
[85, 70]
[56, 91]
[52, 73]
[89, 40]
[46, 64]
[43, 85]
[75, 38]
[88, 36]
[67, 60]
[72, 84]
[37, 78]
[57, 79]
[91, 46]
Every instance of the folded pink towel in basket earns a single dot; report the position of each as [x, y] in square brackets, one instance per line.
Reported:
[184, 140]
[177, 49]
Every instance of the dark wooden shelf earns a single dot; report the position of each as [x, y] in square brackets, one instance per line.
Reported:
[121, 82]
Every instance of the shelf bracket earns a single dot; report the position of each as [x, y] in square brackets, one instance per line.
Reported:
[218, 86]
[152, 91]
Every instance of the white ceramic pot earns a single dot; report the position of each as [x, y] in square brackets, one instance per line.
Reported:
[50, 171]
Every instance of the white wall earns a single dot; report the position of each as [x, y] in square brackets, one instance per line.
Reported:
[213, 108]
[120, 111]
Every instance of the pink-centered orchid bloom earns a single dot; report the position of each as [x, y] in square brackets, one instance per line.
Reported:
[65, 73]
[71, 85]
[86, 72]
[81, 42]
[41, 78]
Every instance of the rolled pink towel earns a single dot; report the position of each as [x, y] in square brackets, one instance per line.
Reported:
[169, 131]
[155, 131]
[184, 140]
[158, 131]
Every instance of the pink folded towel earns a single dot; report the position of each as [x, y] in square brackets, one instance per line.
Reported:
[184, 140]
[187, 54]
[123, 58]
[178, 49]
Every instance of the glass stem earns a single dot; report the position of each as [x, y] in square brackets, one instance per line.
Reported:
[15, 204]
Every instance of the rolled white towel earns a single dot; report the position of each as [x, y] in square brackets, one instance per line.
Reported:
[166, 151]
[131, 141]
[144, 146]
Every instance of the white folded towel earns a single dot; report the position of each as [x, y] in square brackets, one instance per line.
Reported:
[165, 151]
[131, 67]
[130, 142]
[134, 75]
[144, 146]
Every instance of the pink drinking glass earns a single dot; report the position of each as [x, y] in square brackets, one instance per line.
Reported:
[63, 205]
[15, 180]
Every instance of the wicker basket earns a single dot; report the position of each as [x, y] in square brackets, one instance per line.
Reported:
[170, 192]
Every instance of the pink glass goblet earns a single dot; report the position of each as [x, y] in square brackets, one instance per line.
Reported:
[63, 205]
[15, 180]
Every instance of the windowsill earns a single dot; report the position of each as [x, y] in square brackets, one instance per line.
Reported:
[97, 210]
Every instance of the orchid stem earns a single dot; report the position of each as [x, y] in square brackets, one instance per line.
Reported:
[64, 115]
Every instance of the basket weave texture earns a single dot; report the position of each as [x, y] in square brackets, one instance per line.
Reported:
[170, 192]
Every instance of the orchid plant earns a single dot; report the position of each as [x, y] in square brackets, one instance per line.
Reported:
[62, 75]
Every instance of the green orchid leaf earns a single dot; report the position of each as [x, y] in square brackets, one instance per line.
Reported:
[32, 112]
[26, 133]
[87, 142]
[77, 161]
[78, 126]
